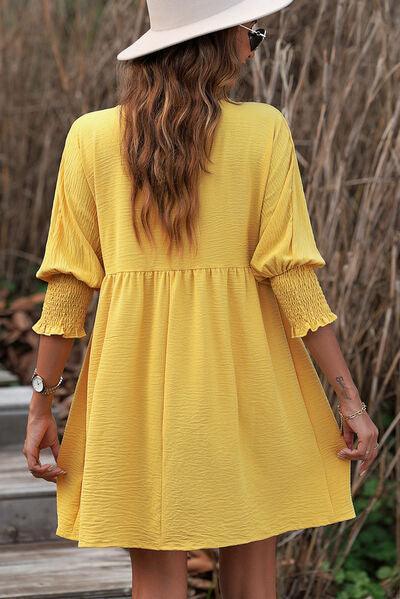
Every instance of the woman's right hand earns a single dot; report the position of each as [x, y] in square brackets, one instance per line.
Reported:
[41, 432]
[367, 435]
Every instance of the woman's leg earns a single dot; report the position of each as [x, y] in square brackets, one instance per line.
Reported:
[248, 570]
[158, 574]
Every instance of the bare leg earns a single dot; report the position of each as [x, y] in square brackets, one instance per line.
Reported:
[248, 570]
[158, 574]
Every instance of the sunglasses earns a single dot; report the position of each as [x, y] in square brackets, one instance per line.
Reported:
[256, 36]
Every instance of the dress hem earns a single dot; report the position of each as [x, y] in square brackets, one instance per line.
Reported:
[212, 543]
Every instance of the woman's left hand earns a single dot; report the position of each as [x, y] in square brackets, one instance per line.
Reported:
[367, 435]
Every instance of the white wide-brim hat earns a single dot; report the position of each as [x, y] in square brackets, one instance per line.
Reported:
[174, 21]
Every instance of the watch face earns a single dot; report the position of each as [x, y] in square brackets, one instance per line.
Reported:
[37, 383]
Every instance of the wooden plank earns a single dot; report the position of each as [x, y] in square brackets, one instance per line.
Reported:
[14, 405]
[27, 504]
[7, 377]
[62, 570]
[15, 478]
[15, 398]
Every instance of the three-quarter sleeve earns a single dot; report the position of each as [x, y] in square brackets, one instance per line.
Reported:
[286, 253]
[72, 264]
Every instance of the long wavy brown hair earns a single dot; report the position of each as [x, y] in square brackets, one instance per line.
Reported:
[170, 107]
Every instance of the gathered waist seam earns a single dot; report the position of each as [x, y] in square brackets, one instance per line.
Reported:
[245, 267]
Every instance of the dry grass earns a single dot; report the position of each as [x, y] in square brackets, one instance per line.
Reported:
[333, 68]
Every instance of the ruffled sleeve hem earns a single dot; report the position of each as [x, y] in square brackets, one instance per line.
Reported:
[65, 306]
[302, 300]
[41, 327]
[300, 330]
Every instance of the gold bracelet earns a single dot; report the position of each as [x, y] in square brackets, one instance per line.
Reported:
[351, 416]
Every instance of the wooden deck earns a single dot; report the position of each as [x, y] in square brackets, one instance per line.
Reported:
[61, 570]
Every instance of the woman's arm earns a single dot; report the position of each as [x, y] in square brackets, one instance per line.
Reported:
[323, 346]
[53, 352]
[73, 268]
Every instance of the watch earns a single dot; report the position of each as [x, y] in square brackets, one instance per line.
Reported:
[39, 385]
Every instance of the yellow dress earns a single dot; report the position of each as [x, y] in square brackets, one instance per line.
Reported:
[198, 418]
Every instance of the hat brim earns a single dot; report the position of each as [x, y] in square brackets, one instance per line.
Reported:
[242, 12]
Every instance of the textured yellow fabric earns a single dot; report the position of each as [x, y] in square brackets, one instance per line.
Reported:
[198, 419]
[64, 309]
[300, 295]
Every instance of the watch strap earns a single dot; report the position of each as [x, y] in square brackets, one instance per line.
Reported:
[47, 390]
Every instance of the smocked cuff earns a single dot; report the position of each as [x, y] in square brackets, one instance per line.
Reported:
[64, 308]
[301, 298]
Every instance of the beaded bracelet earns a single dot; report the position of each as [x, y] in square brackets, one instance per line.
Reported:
[353, 415]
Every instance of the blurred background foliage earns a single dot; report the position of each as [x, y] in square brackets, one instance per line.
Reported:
[333, 69]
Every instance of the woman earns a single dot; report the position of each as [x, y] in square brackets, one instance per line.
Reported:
[198, 419]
